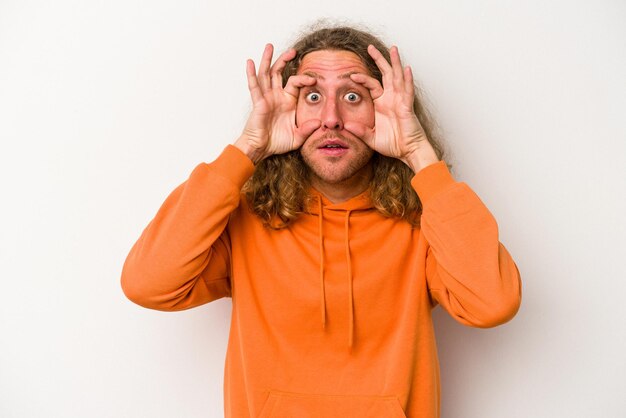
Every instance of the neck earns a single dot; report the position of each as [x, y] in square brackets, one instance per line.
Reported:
[341, 191]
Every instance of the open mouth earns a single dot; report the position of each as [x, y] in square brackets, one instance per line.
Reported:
[333, 149]
[333, 144]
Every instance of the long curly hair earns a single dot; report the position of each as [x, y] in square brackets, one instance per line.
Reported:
[278, 191]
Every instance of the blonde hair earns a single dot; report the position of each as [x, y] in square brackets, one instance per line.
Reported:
[278, 191]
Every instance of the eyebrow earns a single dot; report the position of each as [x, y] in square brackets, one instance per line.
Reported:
[341, 76]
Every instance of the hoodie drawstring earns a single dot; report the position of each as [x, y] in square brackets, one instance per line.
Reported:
[349, 264]
[321, 236]
[350, 295]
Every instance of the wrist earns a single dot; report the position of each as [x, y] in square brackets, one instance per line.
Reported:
[420, 158]
[244, 145]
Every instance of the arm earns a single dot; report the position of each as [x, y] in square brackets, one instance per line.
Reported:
[469, 272]
[182, 258]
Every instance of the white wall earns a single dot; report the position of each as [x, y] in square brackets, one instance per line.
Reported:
[106, 106]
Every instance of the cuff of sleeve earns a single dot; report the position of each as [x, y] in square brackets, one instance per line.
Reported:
[233, 165]
[432, 179]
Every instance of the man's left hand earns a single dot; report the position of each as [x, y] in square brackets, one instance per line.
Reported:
[397, 131]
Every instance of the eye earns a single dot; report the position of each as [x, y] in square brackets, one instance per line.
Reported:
[352, 97]
[313, 97]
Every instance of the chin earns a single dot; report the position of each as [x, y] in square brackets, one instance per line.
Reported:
[338, 173]
[331, 178]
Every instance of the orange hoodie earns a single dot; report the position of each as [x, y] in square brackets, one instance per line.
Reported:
[332, 316]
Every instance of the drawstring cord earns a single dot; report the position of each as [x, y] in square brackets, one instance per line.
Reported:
[321, 236]
[350, 281]
[350, 295]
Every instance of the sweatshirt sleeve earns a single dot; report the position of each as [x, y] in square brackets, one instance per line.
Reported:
[182, 258]
[469, 272]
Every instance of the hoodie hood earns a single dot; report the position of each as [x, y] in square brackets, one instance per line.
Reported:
[359, 202]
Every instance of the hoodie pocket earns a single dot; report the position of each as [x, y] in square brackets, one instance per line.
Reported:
[295, 405]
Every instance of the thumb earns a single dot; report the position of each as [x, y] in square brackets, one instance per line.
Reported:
[305, 130]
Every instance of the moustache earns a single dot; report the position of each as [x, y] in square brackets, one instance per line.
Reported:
[329, 135]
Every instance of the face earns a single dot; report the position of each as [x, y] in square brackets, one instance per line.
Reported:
[333, 154]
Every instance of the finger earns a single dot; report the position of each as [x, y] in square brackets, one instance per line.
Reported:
[264, 67]
[409, 87]
[375, 88]
[362, 131]
[253, 84]
[276, 72]
[381, 63]
[396, 65]
[296, 82]
[305, 130]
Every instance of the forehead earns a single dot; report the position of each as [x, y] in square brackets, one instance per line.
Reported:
[331, 63]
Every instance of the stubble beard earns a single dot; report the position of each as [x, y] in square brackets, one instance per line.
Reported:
[336, 170]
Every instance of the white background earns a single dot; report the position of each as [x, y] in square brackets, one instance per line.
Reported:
[106, 106]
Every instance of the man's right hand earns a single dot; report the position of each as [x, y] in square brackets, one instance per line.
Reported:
[271, 127]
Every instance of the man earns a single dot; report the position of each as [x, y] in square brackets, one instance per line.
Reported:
[336, 229]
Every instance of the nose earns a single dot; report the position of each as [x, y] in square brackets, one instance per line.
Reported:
[331, 115]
